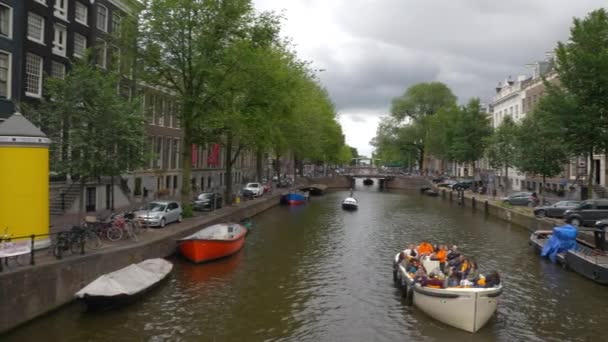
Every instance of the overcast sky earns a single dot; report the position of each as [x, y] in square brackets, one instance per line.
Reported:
[372, 50]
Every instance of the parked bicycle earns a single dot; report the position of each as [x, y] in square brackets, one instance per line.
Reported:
[75, 240]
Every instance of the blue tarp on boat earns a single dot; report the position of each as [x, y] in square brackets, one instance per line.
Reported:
[562, 239]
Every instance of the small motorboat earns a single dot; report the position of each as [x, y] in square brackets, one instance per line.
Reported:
[368, 181]
[350, 203]
[466, 308]
[295, 198]
[214, 242]
[125, 285]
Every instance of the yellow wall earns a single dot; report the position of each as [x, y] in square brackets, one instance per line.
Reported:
[24, 190]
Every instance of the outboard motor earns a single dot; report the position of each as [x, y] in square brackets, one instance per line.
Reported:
[600, 237]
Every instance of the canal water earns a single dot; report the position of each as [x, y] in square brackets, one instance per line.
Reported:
[317, 273]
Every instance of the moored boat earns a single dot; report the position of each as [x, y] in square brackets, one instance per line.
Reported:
[125, 285]
[213, 242]
[350, 203]
[466, 308]
[294, 198]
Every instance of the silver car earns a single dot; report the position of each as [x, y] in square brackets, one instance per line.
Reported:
[519, 198]
[159, 213]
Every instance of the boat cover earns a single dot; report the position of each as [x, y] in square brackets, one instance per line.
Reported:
[129, 280]
[562, 239]
[220, 231]
[349, 200]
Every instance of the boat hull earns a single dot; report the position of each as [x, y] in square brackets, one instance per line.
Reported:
[350, 207]
[294, 199]
[206, 250]
[105, 303]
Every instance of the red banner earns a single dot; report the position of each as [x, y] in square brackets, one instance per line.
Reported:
[214, 155]
[194, 155]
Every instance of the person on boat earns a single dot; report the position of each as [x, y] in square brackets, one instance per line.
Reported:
[492, 279]
[412, 266]
[453, 279]
[420, 276]
[410, 251]
[425, 248]
[456, 262]
[472, 275]
[437, 271]
[433, 281]
[453, 253]
[440, 255]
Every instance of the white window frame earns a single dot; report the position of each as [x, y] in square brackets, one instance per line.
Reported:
[10, 21]
[55, 63]
[39, 93]
[104, 28]
[103, 45]
[61, 12]
[35, 16]
[76, 35]
[42, 2]
[77, 5]
[60, 49]
[9, 74]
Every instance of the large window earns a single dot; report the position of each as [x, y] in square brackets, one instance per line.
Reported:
[80, 44]
[81, 13]
[102, 18]
[35, 28]
[116, 19]
[61, 9]
[101, 53]
[33, 75]
[5, 75]
[58, 70]
[6, 21]
[59, 40]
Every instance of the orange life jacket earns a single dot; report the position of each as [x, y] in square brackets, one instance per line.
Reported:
[425, 248]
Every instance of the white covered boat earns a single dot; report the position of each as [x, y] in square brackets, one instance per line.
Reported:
[125, 285]
[350, 203]
[466, 308]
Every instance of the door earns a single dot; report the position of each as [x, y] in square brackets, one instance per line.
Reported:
[91, 199]
[597, 172]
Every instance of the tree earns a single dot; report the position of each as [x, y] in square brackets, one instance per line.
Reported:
[469, 133]
[580, 102]
[540, 148]
[94, 131]
[418, 103]
[502, 144]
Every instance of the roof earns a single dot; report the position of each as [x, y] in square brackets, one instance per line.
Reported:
[18, 126]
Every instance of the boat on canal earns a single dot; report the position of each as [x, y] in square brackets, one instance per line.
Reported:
[584, 258]
[315, 189]
[466, 308]
[295, 198]
[350, 203]
[213, 242]
[124, 285]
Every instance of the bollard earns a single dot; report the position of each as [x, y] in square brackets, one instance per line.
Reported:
[81, 244]
[32, 262]
[451, 192]
[443, 193]
[486, 206]
[473, 203]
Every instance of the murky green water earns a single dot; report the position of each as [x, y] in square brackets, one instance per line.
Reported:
[317, 273]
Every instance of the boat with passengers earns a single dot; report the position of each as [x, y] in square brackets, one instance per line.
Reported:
[462, 299]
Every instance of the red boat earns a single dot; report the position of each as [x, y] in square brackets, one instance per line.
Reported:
[214, 242]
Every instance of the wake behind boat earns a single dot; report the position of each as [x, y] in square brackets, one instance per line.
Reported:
[350, 203]
[213, 242]
[467, 306]
[125, 285]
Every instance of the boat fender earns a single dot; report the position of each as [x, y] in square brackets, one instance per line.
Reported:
[409, 296]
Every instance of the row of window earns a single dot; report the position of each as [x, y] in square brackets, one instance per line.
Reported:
[161, 110]
[165, 152]
[35, 33]
[81, 14]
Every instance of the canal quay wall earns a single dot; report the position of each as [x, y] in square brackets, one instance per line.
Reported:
[29, 292]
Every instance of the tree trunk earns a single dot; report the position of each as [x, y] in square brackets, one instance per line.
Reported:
[228, 161]
[81, 204]
[259, 166]
[186, 191]
[421, 160]
[506, 178]
[112, 193]
[591, 174]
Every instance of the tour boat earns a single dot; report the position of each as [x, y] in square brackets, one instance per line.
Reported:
[466, 308]
[584, 259]
[214, 242]
[294, 198]
[350, 203]
[125, 285]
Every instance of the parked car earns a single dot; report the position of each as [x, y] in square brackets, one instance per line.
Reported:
[556, 210]
[159, 213]
[256, 188]
[446, 183]
[207, 201]
[464, 185]
[587, 213]
[519, 198]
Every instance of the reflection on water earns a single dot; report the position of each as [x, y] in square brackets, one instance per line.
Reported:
[318, 273]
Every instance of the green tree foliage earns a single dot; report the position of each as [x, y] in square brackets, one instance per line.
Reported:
[94, 131]
[396, 143]
[502, 147]
[580, 102]
[468, 133]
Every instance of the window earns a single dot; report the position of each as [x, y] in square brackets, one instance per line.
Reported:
[41, 1]
[102, 18]
[80, 44]
[101, 53]
[61, 9]
[116, 20]
[59, 40]
[81, 13]
[33, 75]
[35, 28]
[5, 75]
[6, 21]
[58, 70]
[115, 58]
